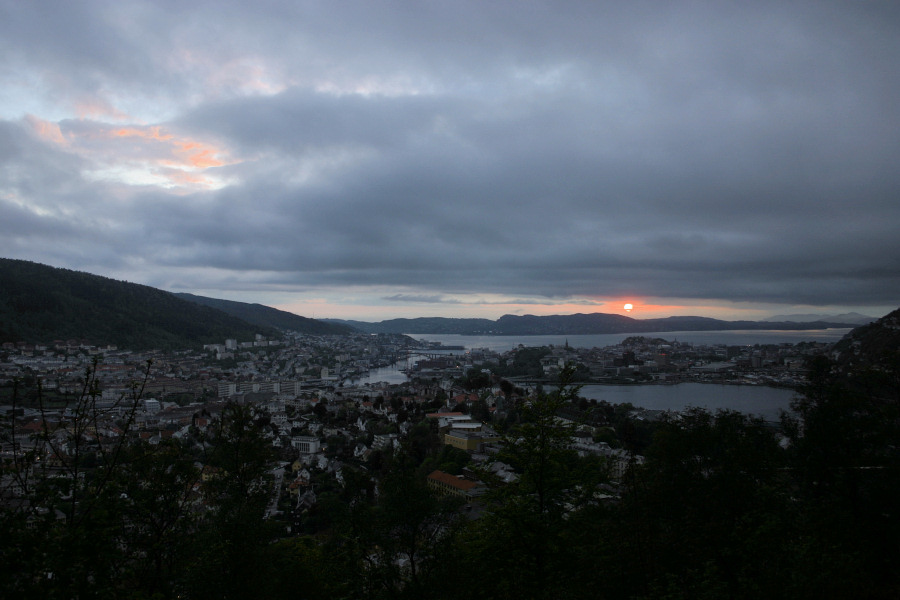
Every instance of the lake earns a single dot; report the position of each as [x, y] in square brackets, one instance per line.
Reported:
[763, 401]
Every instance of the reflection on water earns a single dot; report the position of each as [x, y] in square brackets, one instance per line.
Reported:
[392, 374]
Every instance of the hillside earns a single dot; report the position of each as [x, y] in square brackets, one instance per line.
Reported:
[440, 325]
[39, 303]
[266, 316]
[876, 345]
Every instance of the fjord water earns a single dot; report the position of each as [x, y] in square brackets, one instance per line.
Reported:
[502, 343]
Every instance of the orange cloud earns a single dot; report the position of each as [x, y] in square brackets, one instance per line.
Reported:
[189, 153]
[176, 154]
[152, 155]
[151, 133]
[203, 158]
[47, 130]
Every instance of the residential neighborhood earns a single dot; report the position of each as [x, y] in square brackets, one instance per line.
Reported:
[320, 413]
[401, 448]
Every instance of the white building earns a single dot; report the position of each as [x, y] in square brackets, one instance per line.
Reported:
[306, 444]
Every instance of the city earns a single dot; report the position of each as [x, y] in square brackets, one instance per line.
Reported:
[306, 390]
[278, 463]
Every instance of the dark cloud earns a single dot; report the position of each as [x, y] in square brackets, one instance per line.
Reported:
[558, 152]
[412, 298]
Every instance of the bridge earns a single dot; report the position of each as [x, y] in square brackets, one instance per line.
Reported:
[433, 353]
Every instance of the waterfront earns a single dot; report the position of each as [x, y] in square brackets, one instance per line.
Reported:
[502, 343]
[760, 400]
[392, 374]
[764, 401]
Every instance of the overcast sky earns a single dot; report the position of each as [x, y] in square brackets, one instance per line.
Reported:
[382, 159]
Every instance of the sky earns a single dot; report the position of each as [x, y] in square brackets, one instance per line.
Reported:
[372, 160]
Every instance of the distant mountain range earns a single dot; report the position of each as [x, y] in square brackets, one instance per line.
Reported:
[594, 323]
[39, 303]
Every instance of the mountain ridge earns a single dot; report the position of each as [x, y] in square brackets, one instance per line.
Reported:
[576, 324]
[40, 303]
[851, 317]
[266, 316]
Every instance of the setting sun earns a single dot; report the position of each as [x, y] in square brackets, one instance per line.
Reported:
[628, 307]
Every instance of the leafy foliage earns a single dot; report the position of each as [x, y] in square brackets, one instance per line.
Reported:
[525, 361]
[724, 506]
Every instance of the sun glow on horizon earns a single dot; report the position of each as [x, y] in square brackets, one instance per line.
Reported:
[366, 307]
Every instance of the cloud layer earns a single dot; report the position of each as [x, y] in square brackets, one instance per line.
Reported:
[456, 155]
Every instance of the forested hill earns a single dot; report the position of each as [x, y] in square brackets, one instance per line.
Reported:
[593, 323]
[39, 303]
[872, 346]
[422, 325]
[266, 316]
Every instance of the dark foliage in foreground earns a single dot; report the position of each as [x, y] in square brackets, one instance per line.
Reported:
[725, 506]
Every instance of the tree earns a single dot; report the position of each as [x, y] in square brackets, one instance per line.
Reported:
[520, 540]
[423, 440]
[846, 467]
[233, 539]
[710, 483]
[448, 459]
[479, 409]
[414, 523]
[476, 380]
[61, 533]
[158, 491]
